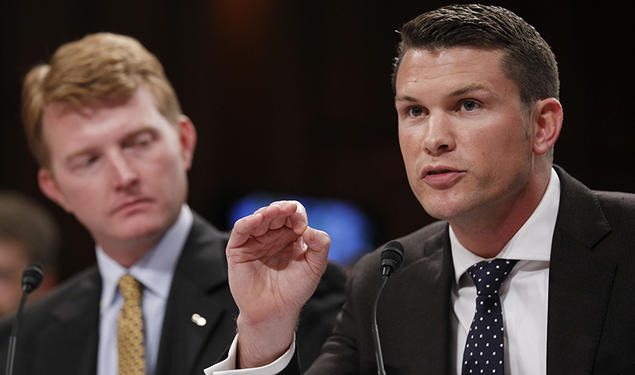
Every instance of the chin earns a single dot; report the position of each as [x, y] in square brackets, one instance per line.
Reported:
[142, 229]
[443, 208]
[439, 214]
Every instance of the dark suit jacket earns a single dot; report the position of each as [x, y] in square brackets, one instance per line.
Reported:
[59, 334]
[591, 316]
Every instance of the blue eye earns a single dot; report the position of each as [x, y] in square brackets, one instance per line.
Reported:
[415, 111]
[470, 105]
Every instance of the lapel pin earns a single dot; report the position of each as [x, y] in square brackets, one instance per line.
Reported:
[199, 320]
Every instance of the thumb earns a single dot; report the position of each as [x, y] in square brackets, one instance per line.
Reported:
[317, 252]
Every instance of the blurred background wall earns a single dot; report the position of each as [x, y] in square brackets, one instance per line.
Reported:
[294, 98]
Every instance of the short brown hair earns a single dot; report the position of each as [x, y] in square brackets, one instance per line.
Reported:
[100, 66]
[527, 60]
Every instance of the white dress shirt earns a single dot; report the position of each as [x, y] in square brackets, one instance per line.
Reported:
[524, 297]
[154, 271]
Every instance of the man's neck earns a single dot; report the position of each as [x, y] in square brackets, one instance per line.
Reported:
[486, 235]
[127, 253]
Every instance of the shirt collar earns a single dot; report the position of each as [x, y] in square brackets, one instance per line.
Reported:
[156, 269]
[531, 242]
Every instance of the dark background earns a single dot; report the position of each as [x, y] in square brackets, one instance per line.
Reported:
[294, 96]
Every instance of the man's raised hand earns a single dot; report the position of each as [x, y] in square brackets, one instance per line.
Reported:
[275, 263]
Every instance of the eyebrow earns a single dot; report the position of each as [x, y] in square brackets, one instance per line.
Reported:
[458, 92]
[469, 88]
[404, 98]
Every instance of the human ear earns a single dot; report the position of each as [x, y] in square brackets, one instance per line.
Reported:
[187, 140]
[547, 123]
[49, 187]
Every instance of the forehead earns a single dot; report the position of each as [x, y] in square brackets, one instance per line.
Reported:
[451, 67]
[140, 102]
[67, 127]
[102, 115]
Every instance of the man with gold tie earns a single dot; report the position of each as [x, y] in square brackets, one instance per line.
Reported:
[114, 149]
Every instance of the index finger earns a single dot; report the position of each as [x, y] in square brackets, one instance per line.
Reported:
[243, 229]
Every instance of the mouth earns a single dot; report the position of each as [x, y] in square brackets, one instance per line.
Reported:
[440, 171]
[441, 176]
[130, 206]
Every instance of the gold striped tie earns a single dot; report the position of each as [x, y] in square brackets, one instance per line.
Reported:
[130, 329]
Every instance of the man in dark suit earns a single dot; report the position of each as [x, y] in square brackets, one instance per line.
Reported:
[527, 271]
[114, 148]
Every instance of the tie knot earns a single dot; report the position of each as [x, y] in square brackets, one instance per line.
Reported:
[488, 275]
[129, 287]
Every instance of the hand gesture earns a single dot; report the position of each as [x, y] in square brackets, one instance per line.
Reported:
[275, 263]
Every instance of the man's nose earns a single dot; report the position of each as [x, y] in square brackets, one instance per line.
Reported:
[123, 172]
[438, 137]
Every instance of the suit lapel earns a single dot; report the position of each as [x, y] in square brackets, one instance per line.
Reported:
[580, 281]
[199, 287]
[421, 292]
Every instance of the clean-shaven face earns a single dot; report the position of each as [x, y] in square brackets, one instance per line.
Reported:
[120, 168]
[462, 132]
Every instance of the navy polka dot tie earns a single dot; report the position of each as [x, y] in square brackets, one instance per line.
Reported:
[484, 347]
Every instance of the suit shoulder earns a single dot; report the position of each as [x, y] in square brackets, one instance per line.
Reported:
[429, 231]
[618, 208]
[617, 201]
[416, 245]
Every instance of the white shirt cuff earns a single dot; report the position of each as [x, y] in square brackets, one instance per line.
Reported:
[228, 365]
